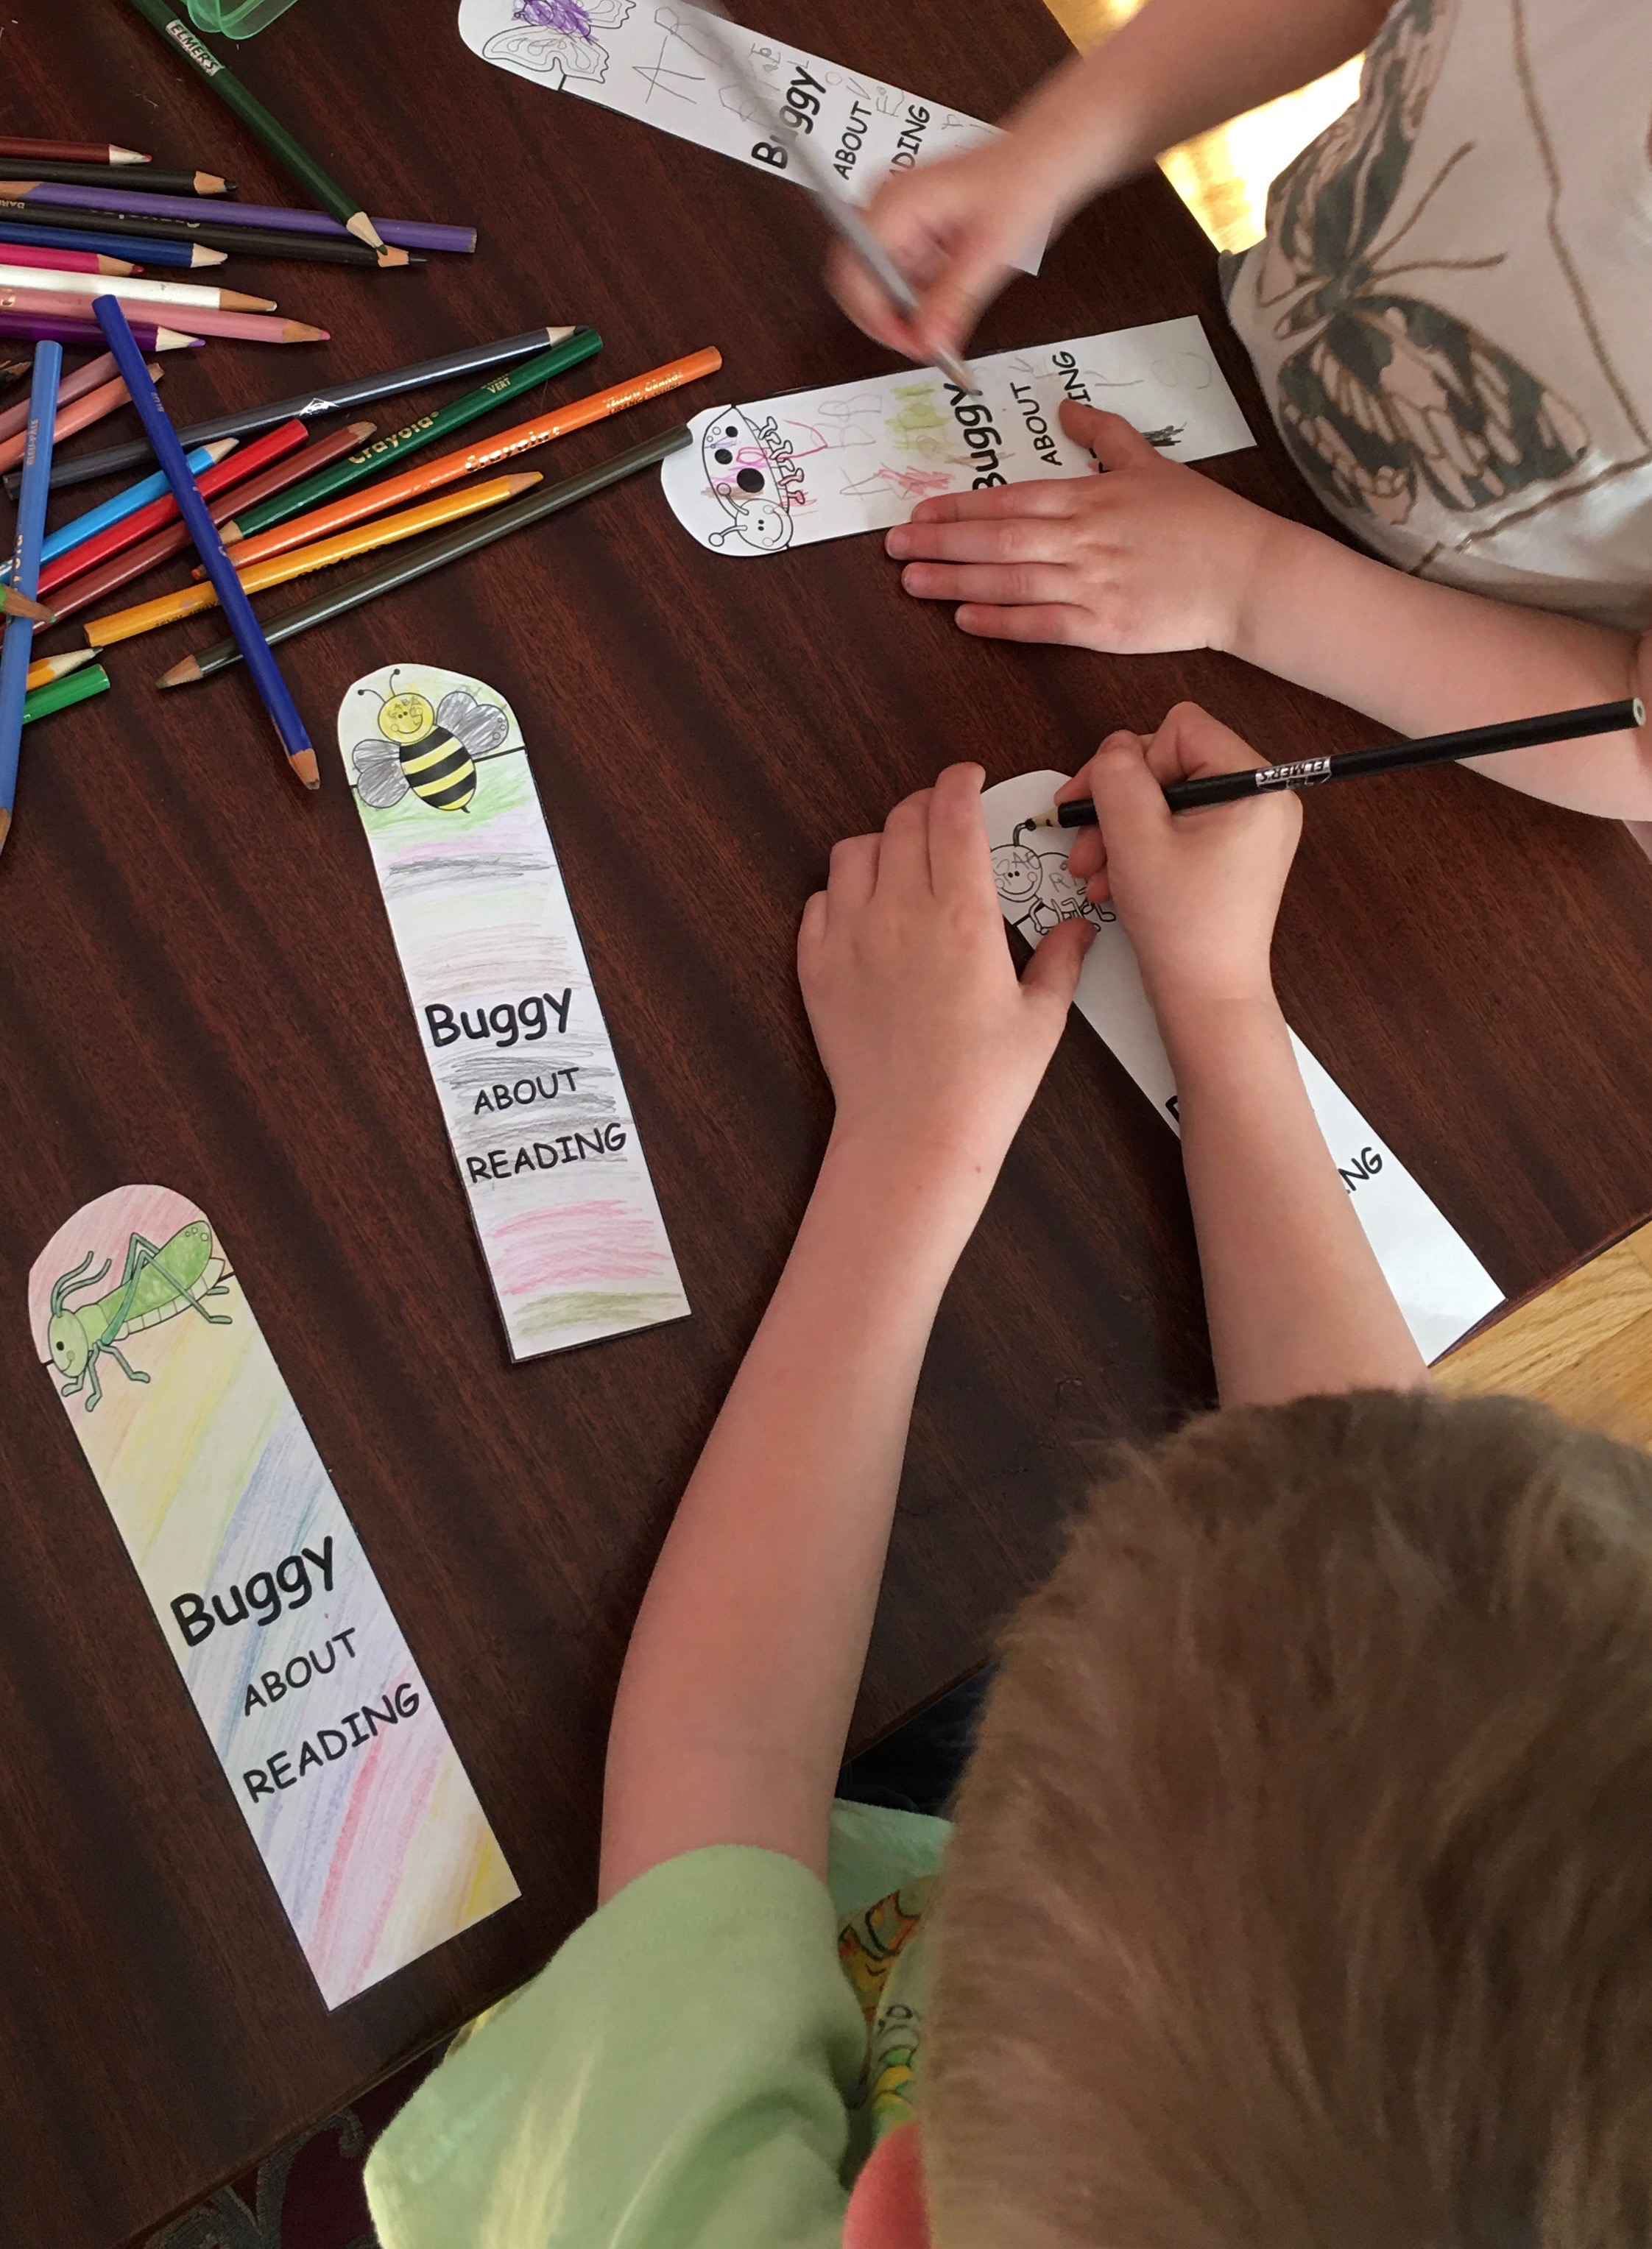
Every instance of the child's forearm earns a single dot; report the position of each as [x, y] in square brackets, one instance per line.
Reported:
[744, 1665]
[1296, 1299]
[1426, 659]
[1178, 67]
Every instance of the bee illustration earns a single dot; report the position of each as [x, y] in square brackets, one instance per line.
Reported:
[155, 1284]
[430, 748]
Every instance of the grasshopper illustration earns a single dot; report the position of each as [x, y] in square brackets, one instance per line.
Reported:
[155, 1285]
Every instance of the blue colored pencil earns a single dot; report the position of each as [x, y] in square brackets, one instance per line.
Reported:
[92, 520]
[237, 610]
[144, 252]
[26, 565]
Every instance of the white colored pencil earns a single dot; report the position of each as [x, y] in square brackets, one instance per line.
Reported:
[131, 290]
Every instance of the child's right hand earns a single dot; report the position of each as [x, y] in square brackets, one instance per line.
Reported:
[1198, 892]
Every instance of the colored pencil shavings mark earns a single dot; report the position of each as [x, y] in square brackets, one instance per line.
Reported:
[552, 37]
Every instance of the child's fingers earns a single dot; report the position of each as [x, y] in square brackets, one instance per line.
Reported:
[983, 539]
[1115, 443]
[1191, 742]
[1060, 497]
[1000, 584]
[811, 930]
[1049, 621]
[960, 862]
[903, 856]
[1129, 799]
[852, 875]
[1052, 973]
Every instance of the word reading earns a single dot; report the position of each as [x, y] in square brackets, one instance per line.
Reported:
[1365, 1166]
[910, 137]
[277, 1771]
[260, 1596]
[277, 1685]
[504, 1024]
[541, 1155]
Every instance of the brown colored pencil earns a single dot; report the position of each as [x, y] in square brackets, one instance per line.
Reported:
[19, 605]
[90, 407]
[121, 569]
[69, 152]
[74, 386]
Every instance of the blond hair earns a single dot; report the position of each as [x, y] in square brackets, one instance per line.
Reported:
[1300, 1896]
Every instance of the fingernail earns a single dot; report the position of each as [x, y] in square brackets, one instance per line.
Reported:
[910, 578]
[898, 543]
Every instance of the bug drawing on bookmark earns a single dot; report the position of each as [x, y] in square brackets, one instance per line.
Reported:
[513, 1032]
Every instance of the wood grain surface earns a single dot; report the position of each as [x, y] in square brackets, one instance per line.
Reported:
[197, 987]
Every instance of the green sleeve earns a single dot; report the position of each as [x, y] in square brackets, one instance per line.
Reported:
[677, 2078]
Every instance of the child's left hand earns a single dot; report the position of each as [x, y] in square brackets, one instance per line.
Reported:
[934, 1047]
[1147, 556]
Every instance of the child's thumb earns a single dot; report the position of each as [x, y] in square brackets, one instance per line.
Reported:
[1109, 437]
[1052, 973]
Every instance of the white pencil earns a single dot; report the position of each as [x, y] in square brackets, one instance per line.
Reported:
[133, 290]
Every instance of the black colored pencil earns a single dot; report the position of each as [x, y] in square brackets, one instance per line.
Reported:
[150, 179]
[432, 553]
[311, 405]
[251, 241]
[1388, 757]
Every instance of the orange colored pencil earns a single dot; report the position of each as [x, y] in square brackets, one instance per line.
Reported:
[90, 407]
[371, 499]
[383, 531]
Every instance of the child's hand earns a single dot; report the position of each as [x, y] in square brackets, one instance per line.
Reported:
[1148, 556]
[1197, 892]
[955, 228]
[933, 1046]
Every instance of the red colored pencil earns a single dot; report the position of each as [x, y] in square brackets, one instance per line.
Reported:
[85, 378]
[66, 261]
[90, 407]
[69, 152]
[81, 593]
[273, 445]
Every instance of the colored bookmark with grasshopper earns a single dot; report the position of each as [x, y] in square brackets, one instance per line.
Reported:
[365, 1819]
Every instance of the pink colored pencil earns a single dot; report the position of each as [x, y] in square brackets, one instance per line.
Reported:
[245, 327]
[65, 261]
[75, 386]
[90, 407]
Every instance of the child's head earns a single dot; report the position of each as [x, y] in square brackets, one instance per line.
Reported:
[1301, 1891]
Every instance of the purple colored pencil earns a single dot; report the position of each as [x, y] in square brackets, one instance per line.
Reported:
[128, 202]
[45, 329]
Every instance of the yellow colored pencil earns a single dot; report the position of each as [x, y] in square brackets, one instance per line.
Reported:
[54, 667]
[361, 539]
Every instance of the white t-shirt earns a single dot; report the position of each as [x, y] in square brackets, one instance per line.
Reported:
[1451, 310]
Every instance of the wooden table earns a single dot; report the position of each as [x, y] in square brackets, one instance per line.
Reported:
[200, 989]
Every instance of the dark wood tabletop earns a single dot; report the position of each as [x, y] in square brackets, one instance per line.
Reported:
[199, 989]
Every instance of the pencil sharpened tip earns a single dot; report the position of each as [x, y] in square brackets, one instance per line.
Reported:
[19, 605]
[389, 258]
[182, 674]
[362, 228]
[304, 765]
[5, 826]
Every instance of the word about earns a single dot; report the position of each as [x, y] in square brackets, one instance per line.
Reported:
[525, 1091]
[505, 1024]
[1038, 429]
[277, 1685]
[260, 1596]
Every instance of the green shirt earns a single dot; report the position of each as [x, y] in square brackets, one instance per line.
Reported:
[705, 2065]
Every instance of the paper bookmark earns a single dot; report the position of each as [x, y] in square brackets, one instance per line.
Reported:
[670, 65]
[824, 463]
[1439, 1283]
[363, 1816]
[507, 1012]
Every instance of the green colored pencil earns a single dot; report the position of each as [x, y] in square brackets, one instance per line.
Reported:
[434, 553]
[576, 344]
[270, 129]
[58, 694]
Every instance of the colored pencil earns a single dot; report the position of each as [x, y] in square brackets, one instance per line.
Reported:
[91, 407]
[111, 513]
[1384, 758]
[75, 688]
[14, 604]
[17, 254]
[345, 207]
[81, 592]
[413, 484]
[25, 567]
[217, 475]
[50, 328]
[574, 344]
[383, 531]
[55, 173]
[127, 203]
[435, 553]
[310, 405]
[85, 378]
[110, 230]
[71, 152]
[127, 289]
[14, 370]
[153, 251]
[242, 327]
[272, 689]
[48, 668]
